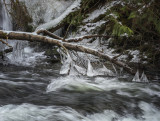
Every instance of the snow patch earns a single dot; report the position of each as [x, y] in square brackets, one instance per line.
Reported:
[54, 22]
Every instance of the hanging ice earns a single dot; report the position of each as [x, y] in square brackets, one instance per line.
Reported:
[136, 77]
[144, 78]
[104, 71]
[115, 69]
[90, 71]
[66, 65]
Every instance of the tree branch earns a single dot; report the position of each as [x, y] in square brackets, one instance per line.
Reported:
[45, 32]
[85, 37]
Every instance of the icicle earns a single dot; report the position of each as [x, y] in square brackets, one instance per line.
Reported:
[136, 77]
[144, 78]
[90, 69]
[115, 69]
[121, 71]
[66, 65]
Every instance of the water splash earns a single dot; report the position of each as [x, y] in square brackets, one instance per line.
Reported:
[72, 83]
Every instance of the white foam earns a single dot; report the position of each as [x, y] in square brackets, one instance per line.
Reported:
[28, 112]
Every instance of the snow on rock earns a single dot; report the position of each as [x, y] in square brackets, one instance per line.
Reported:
[43, 11]
[100, 11]
[57, 20]
[135, 55]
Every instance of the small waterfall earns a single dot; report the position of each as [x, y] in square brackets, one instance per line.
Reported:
[5, 21]
[6, 24]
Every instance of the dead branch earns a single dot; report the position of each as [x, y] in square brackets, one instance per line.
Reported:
[85, 37]
[45, 33]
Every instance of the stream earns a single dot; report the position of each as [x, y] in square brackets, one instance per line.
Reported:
[32, 89]
[40, 93]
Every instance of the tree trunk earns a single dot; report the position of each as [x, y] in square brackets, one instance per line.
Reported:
[70, 46]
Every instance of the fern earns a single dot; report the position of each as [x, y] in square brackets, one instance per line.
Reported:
[119, 30]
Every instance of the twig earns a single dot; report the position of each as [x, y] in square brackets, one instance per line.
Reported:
[6, 43]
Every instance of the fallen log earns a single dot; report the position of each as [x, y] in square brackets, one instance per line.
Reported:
[70, 46]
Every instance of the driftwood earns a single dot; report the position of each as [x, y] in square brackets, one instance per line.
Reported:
[60, 43]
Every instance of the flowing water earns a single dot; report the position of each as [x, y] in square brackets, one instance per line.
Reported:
[34, 90]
